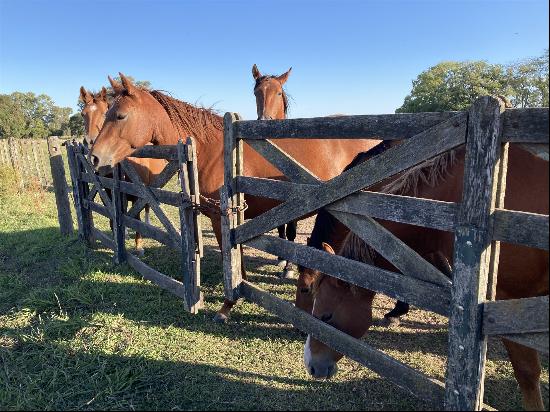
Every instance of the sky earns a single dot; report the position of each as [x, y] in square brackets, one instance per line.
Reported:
[349, 57]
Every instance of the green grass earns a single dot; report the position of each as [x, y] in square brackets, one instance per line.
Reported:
[77, 332]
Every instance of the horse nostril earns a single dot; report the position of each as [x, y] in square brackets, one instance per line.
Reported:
[95, 160]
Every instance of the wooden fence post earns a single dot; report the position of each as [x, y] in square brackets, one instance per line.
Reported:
[472, 256]
[80, 190]
[60, 186]
[230, 200]
[190, 256]
[119, 208]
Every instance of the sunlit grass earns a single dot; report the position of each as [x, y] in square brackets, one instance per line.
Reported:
[78, 332]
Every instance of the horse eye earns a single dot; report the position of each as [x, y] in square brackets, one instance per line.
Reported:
[326, 318]
[121, 116]
[279, 94]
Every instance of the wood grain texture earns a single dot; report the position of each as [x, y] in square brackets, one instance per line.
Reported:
[384, 126]
[522, 228]
[118, 211]
[515, 316]
[464, 383]
[150, 198]
[428, 144]
[414, 291]
[525, 125]
[392, 248]
[60, 186]
[285, 163]
[400, 374]
[535, 340]
[229, 199]
[168, 152]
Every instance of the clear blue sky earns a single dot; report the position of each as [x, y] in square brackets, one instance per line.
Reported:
[353, 57]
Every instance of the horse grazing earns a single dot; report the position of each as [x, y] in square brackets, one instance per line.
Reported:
[138, 117]
[272, 103]
[94, 110]
[522, 272]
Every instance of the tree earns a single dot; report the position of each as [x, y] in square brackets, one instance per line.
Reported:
[29, 115]
[454, 86]
[529, 82]
[76, 125]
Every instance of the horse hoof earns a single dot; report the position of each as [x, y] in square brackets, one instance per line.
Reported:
[281, 263]
[220, 318]
[140, 251]
[386, 322]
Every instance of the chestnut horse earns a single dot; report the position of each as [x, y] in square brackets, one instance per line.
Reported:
[272, 103]
[522, 271]
[93, 112]
[138, 117]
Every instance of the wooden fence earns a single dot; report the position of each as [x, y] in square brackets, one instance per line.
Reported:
[479, 223]
[30, 157]
[113, 191]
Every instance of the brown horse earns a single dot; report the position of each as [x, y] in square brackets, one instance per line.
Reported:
[94, 110]
[138, 117]
[522, 271]
[272, 103]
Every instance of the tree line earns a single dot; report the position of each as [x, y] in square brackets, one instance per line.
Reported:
[448, 85]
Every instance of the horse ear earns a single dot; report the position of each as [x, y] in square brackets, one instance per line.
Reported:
[327, 248]
[117, 87]
[103, 94]
[256, 73]
[284, 77]
[128, 85]
[85, 96]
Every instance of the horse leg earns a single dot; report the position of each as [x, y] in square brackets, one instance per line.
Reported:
[291, 229]
[223, 314]
[526, 364]
[281, 262]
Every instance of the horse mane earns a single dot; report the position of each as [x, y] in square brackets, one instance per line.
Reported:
[286, 103]
[430, 172]
[198, 122]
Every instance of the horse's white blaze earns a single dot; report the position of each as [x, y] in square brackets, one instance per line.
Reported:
[92, 108]
[307, 353]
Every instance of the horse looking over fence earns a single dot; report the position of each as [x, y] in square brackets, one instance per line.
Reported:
[139, 117]
[93, 112]
[522, 271]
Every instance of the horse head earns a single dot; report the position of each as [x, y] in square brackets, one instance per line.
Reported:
[271, 99]
[344, 307]
[93, 112]
[134, 120]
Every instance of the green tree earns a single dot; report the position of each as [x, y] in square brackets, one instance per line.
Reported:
[30, 115]
[76, 125]
[453, 86]
[528, 81]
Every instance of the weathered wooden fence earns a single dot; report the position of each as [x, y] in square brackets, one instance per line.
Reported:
[113, 191]
[479, 223]
[30, 157]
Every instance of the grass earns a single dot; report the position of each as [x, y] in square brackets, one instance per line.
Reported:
[77, 332]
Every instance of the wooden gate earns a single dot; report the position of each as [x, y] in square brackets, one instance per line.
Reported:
[479, 223]
[187, 241]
